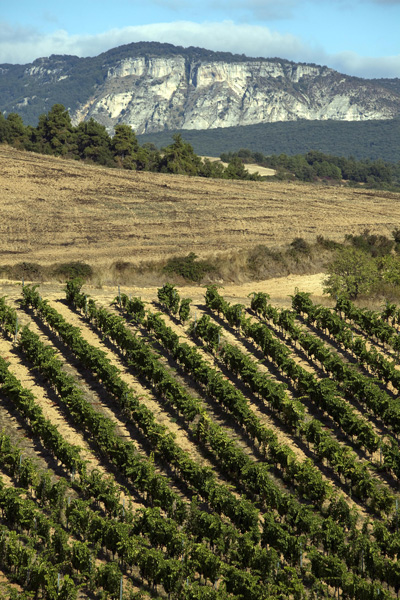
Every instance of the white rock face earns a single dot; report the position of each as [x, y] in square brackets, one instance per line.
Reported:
[152, 94]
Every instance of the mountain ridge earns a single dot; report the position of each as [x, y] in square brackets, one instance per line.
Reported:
[155, 87]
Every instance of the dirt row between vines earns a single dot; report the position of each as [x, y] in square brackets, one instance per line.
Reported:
[311, 365]
[163, 415]
[49, 405]
[379, 427]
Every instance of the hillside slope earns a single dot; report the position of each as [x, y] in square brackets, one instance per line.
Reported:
[127, 395]
[54, 210]
[361, 139]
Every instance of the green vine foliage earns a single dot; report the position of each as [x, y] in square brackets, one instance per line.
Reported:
[268, 542]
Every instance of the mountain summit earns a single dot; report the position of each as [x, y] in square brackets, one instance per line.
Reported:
[153, 87]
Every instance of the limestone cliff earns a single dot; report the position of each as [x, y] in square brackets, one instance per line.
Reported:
[184, 89]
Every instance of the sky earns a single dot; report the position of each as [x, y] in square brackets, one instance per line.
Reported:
[356, 37]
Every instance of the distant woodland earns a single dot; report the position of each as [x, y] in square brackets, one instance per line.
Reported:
[317, 166]
[360, 139]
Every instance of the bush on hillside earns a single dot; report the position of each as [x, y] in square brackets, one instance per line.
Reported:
[188, 267]
[72, 270]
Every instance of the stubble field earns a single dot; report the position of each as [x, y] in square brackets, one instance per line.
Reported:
[53, 210]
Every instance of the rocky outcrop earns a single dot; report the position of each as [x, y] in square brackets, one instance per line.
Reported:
[154, 94]
[160, 90]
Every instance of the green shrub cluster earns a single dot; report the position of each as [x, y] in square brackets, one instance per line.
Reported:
[29, 271]
[366, 265]
[188, 267]
[376, 245]
[73, 270]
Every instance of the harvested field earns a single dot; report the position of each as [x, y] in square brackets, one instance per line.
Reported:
[54, 210]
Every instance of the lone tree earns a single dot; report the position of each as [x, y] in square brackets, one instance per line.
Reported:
[351, 273]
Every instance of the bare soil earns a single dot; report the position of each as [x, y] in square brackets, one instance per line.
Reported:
[279, 288]
[251, 168]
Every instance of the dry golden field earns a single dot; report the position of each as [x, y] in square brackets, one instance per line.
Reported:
[55, 210]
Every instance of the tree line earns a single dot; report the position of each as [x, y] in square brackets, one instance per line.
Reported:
[89, 141]
[316, 165]
[366, 264]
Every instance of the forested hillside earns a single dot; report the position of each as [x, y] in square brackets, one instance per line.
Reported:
[90, 141]
[317, 166]
[366, 139]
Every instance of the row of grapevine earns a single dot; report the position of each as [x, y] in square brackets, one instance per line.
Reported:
[24, 402]
[322, 393]
[370, 322]
[291, 413]
[168, 337]
[382, 367]
[202, 560]
[305, 521]
[240, 511]
[39, 305]
[349, 378]
[334, 568]
[159, 437]
[308, 480]
[171, 565]
[136, 468]
[354, 382]
[363, 388]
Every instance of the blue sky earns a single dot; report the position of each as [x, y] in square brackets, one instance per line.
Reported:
[357, 37]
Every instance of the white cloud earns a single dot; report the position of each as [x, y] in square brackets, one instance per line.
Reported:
[19, 45]
[365, 66]
[24, 45]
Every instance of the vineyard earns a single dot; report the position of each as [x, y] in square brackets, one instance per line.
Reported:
[197, 450]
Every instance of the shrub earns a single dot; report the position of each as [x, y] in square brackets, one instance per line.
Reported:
[27, 270]
[72, 270]
[351, 273]
[327, 243]
[262, 256]
[188, 267]
[300, 245]
[376, 245]
[121, 266]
